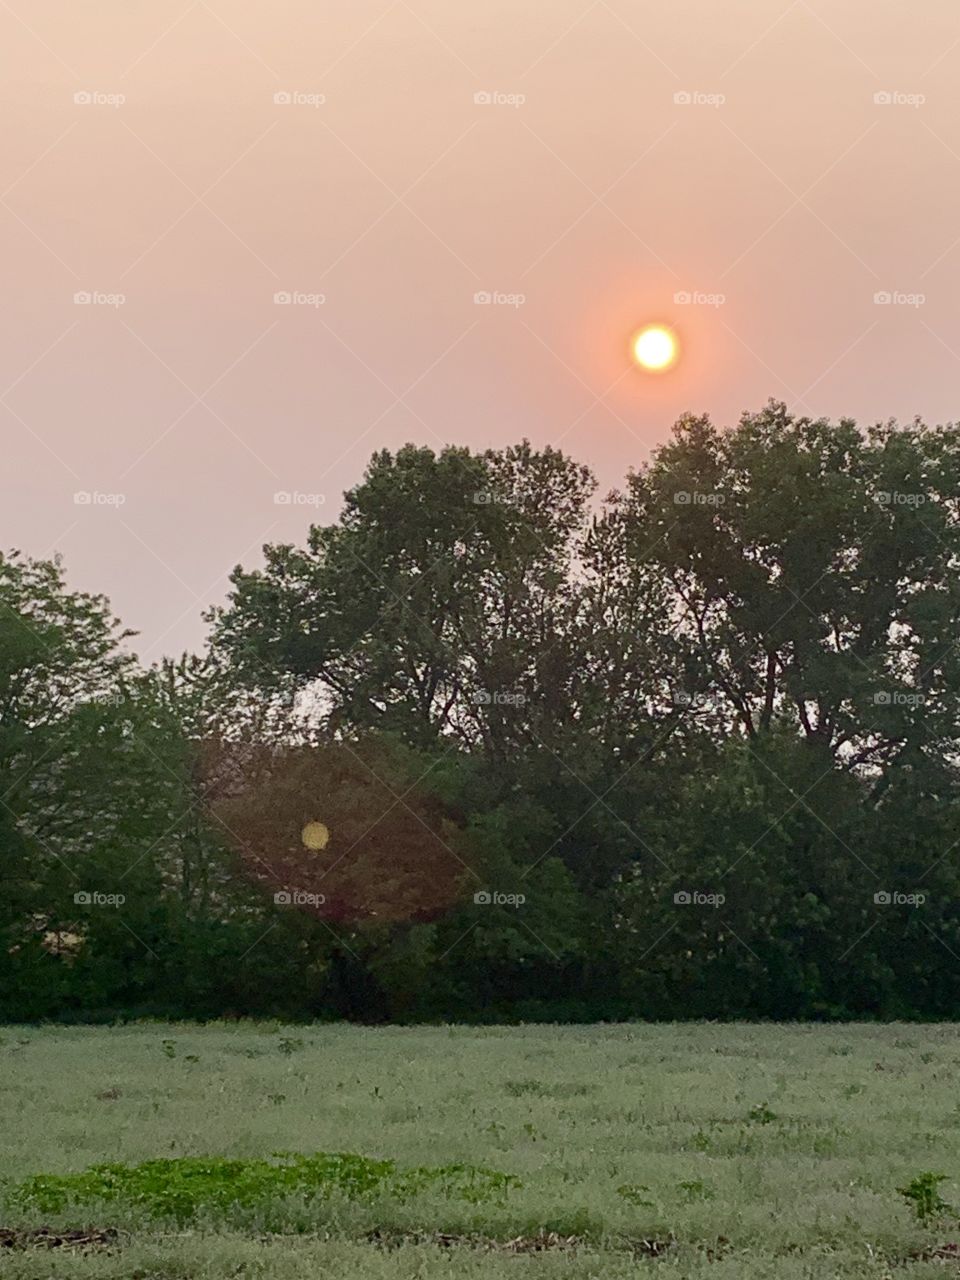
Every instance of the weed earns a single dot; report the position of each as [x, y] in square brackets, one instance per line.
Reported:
[761, 1114]
[923, 1193]
[695, 1190]
[635, 1194]
[536, 1088]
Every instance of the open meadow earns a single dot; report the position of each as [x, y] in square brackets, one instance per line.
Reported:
[689, 1150]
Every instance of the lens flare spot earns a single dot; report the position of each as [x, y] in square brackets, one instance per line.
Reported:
[315, 836]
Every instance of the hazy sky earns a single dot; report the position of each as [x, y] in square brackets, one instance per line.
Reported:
[146, 162]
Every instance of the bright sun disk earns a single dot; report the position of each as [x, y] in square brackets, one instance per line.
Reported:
[655, 347]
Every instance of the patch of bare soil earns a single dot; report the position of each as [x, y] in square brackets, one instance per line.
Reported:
[541, 1242]
[949, 1252]
[47, 1238]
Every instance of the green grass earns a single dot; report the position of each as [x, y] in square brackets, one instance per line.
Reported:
[789, 1142]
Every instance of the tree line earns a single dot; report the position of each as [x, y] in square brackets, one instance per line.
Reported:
[490, 748]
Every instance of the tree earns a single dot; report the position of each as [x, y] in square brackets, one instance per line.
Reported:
[478, 751]
[812, 570]
[71, 772]
[438, 607]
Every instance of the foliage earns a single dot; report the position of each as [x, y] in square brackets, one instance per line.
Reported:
[923, 1194]
[693, 753]
[183, 1188]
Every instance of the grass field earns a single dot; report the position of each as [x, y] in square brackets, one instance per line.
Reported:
[744, 1151]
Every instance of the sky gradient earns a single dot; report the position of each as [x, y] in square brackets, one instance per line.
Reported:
[787, 167]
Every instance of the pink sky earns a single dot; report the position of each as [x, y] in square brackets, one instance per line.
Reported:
[783, 188]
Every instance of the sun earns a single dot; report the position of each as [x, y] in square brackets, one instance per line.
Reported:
[655, 348]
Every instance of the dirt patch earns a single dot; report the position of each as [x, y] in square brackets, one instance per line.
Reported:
[949, 1252]
[541, 1242]
[649, 1248]
[47, 1238]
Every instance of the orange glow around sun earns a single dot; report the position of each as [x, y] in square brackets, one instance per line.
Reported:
[655, 348]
